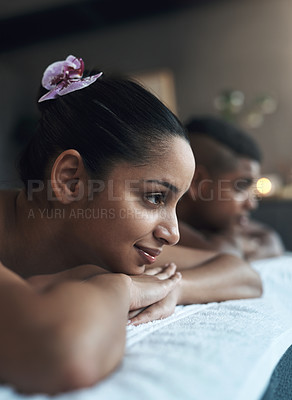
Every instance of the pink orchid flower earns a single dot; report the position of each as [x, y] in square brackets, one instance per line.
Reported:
[63, 77]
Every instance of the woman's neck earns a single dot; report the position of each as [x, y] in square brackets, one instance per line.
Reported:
[33, 240]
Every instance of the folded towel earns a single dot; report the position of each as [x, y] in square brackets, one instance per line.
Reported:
[216, 351]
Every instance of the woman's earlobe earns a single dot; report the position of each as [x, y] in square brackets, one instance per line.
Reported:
[67, 177]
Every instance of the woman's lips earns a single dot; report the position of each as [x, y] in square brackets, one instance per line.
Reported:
[148, 255]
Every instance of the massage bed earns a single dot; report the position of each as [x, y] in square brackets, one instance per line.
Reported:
[233, 350]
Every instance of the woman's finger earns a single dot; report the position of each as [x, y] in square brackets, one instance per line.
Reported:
[149, 314]
[170, 284]
[153, 271]
[167, 271]
[133, 313]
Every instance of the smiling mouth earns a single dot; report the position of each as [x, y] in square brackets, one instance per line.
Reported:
[148, 255]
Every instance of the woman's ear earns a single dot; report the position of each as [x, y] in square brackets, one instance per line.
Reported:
[68, 177]
[200, 181]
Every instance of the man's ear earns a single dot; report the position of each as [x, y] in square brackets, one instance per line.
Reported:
[68, 176]
[199, 182]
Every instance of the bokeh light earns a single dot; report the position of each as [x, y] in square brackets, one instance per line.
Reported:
[264, 186]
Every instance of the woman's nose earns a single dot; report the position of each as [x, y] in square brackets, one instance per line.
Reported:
[167, 232]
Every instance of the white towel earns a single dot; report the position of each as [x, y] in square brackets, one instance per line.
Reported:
[217, 351]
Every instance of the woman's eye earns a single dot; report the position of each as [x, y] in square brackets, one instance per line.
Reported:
[155, 198]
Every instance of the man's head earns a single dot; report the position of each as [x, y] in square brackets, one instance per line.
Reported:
[227, 164]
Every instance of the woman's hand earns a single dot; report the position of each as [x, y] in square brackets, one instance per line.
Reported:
[147, 289]
[162, 309]
[157, 287]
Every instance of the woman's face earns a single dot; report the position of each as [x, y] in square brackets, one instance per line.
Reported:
[134, 215]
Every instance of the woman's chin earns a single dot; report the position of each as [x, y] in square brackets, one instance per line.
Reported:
[128, 270]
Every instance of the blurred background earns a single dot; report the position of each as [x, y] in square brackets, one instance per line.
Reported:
[223, 57]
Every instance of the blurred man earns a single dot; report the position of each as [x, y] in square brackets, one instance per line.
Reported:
[215, 213]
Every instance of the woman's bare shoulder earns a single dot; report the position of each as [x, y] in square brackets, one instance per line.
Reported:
[9, 278]
[7, 215]
[7, 208]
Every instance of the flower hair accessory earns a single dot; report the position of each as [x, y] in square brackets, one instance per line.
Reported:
[63, 77]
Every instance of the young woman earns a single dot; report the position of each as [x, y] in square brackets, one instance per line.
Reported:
[102, 177]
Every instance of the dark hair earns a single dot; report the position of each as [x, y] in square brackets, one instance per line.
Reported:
[225, 133]
[114, 119]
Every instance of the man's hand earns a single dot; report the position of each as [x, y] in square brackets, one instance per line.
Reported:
[259, 241]
[250, 242]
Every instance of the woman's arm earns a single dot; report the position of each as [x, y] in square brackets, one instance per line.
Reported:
[225, 277]
[67, 338]
[81, 272]
[184, 257]
[73, 334]
[220, 277]
[211, 276]
[207, 277]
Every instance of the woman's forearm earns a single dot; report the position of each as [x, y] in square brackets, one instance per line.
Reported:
[184, 257]
[225, 277]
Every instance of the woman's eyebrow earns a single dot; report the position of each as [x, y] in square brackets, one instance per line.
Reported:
[168, 185]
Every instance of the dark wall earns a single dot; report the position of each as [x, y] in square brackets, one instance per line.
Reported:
[215, 45]
[278, 215]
